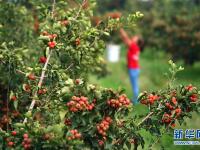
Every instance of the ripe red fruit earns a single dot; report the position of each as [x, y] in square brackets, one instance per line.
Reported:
[27, 88]
[52, 44]
[42, 91]
[189, 87]
[10, 144]
[42, 59]
[52, 36]
[77, 135]
[45, 33]
[31, 76]
[178, 111]
[46, 136]
[25, 135]
[174, 101]
[101, 142]
[13, 98]
[143, 102]
[166, 118]
[64, 22]
[193, 97]
[14, 133]
[173, 125]
[77, 41]
[15, 113]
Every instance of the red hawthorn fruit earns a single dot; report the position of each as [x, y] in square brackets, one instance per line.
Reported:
[52, 36]
[178, 110]
[189, 87]
[166, 118]
[151, 101]
[27, 88]
[45, 33]
[42, 91]
[69, 138]
[77, 135]
[42, 59]
[31, 76]
[143, 102]
[77, 41]
[14, 133]
[46, 136]
[174, 101]
[169, 106]
[25, 135]
[101, 143]
[64, 22]
[52, 44]
[68, 122]
[5, 119]
[193, 97]
[15, 113]
[10, 144]
[13, 98]
[173, 125]
[77, 81]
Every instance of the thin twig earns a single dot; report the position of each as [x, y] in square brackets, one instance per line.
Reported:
[69, 66]
[144, 119]
[24, 73]
[79, 11]
[53, 8]
[39, 84]
[43, 71]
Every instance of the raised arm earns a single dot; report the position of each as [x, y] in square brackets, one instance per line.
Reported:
[125, 37]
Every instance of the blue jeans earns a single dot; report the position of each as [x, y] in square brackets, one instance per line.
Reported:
[134, 75]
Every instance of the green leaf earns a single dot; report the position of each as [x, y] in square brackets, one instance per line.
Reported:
[15, 104]
[62, 114]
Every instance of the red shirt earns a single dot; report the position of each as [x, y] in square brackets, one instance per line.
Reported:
[133, 56]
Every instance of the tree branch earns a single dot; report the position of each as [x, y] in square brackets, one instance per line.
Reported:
[39, 84]
[144, 119]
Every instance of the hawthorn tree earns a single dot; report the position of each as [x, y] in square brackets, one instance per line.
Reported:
[47, 101]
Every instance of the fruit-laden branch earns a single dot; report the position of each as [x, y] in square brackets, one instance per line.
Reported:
[39, 84]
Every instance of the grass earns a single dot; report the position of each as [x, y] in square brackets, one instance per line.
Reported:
[154, 64]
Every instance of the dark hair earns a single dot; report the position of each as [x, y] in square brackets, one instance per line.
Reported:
[141, 44]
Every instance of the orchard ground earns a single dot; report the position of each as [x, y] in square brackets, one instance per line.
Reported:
[154, 65]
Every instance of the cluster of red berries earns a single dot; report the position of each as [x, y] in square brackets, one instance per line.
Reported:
[42, 91]
[68, 122]
[103, 126]
[26, 141]
[121, 101]
[80, 104]
[64, 22]
[190, 87]
[52, 37]
[150, 99]
[74, 135]
[9, 142]
[167, 118]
